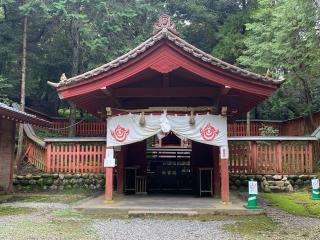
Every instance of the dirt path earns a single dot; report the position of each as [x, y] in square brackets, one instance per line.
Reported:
[292, 226]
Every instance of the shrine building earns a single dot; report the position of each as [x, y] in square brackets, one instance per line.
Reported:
[166, 105]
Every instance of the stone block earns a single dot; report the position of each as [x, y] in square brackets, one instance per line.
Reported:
[277, 177]
[303, 177]
[299, 182]
[29, 176]
[36, 177]
[279, 183]
[85, 175]
[269, 177]
[68, 176]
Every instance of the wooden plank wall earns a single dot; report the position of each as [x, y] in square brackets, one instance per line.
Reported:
[36, 155]
[294, 157]
[75, 158]
[300, 126]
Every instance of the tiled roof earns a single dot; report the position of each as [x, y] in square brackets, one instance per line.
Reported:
[168, 34]
[19, 116]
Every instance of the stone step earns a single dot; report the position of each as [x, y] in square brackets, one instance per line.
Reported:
[161, 212]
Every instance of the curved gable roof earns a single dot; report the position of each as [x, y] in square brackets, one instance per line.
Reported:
[166, 32]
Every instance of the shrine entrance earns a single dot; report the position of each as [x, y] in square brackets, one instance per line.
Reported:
[169, 170]
[183, 167]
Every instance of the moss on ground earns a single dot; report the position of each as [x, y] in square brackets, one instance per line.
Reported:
[297, 203]
[251, 225]
[67, 197]
[54, 229]
[9, 211]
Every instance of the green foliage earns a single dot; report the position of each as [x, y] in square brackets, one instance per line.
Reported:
[268, 131]
[5, 87]
[282, 36]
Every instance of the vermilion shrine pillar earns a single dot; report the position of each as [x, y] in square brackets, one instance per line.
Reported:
[224, 180]
[109, 164]
[109, 183]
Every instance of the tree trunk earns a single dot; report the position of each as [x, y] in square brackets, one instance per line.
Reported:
[23, 90]
[75, 35]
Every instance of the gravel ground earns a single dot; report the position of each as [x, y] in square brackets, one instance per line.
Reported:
[51, 226]
[37, 205]
[118, 229]
[36, 217]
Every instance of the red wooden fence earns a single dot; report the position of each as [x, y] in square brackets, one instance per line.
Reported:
[91, 128]
[75, 157]
[246, 157]
[271, 157]
[240, 128]
[36, 154]
[85, 128]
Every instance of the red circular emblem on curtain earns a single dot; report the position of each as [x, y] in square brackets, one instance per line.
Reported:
[208, 132]
[120, 133]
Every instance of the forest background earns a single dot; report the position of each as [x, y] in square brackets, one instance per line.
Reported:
[276, 37]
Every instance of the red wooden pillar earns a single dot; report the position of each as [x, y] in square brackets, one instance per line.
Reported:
[224, 171]
[216, 172]
[109, 183]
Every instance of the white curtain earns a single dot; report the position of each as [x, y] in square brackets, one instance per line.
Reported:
[126, 129]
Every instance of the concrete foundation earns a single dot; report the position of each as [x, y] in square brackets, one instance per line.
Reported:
[165, 204]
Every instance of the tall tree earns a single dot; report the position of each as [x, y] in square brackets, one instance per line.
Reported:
[282, 36]
[23, 88]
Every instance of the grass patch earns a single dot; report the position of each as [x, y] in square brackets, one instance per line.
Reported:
[67, 197]
[297, 203]
[251, 225]
[56, 228]
[8, 211]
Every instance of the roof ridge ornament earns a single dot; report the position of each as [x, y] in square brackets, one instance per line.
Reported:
[63, 78]
[164, 22]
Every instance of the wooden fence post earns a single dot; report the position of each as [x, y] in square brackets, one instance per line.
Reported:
[310, 166]
[278, 157]
[48, 157]
[253, 155]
